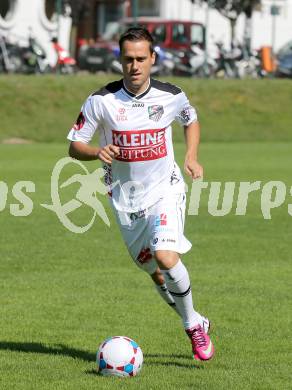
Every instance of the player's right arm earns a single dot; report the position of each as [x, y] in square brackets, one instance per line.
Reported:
[85, 152]
[82, 132]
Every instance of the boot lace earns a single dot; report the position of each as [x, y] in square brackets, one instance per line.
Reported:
[198, 337]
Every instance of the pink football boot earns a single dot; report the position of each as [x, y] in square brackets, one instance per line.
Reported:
[202, 346]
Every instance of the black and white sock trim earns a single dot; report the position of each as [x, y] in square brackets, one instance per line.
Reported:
[183, 294]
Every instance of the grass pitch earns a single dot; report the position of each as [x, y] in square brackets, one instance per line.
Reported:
[61, 293]
[42, 108]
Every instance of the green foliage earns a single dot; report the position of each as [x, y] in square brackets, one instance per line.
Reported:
[231, 9]
[80, 9]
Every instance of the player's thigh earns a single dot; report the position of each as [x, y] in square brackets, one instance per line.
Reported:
[166, 225]
[136, 237]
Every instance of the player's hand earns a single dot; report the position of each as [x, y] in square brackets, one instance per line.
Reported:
[193, 169]
[108, 153]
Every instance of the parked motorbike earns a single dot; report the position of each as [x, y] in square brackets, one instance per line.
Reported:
[10, 62]
[193, 63]
[65, 63]
[250, 64]
[164, 64]
[99, 56]
[226, 62]
[239, 62]
[34, 59]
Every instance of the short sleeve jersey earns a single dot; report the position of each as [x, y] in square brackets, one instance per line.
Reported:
[140, 125]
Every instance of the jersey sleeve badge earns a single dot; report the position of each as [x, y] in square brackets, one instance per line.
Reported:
[79, 122]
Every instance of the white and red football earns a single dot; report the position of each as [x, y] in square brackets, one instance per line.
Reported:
[119, 356]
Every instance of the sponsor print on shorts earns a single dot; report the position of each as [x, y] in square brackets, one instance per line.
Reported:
[161, 220]
[174, 179]
[144, 256]
[163, 240]
[140, 145]
[138, 215]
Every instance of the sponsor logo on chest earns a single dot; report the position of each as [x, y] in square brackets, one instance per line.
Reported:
[140, 145]
[138, 105]
[121, 115]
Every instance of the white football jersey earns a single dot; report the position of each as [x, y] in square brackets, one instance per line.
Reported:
[140, 126]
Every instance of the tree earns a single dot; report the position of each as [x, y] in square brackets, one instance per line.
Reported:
[79, 9]
[231, 9]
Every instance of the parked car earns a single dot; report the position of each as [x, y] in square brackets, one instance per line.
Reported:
[170, 34]
[284, 61]
[97, 56]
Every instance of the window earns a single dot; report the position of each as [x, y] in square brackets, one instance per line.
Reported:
[159, 33]
[179, 33]
[148, 8]
[107, 13]
[197, 35]
[286, 49]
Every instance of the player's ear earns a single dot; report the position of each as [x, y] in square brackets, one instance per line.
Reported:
[153, 57]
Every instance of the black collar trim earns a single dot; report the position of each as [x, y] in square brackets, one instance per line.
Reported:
[137, 96]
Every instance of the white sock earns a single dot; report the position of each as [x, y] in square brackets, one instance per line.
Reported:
[178, 283]
[166, 296]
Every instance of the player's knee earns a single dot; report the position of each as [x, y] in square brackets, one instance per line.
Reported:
[166, 259]
[158, 277]
[146, 264]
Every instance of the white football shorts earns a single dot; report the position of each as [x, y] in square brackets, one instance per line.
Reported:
[160, 227]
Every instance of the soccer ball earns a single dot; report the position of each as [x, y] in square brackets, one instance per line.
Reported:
[119, 356]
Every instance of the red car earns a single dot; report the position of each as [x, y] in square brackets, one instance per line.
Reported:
[172, 34]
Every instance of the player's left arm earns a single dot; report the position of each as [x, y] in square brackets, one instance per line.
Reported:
[187, 117]
[192, 138]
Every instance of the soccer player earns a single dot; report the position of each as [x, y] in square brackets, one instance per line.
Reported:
[133, 117]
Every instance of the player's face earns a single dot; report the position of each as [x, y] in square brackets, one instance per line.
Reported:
[136, 60]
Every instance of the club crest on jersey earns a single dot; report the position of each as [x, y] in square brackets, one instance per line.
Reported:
[79, 122]
[161, 220]
[155, 112]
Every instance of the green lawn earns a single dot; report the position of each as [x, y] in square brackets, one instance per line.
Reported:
[61, 293]
[43, 108]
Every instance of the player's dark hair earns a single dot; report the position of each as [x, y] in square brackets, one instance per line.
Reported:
[137, 34]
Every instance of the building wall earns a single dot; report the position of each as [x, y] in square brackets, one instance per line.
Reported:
[262, 24]
[219, 27]
[23, 21]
